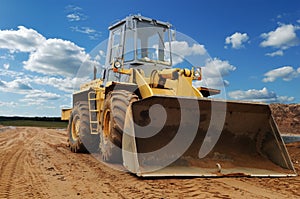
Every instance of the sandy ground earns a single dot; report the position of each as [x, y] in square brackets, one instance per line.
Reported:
[35, 163]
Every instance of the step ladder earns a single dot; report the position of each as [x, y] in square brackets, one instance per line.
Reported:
[93, 112]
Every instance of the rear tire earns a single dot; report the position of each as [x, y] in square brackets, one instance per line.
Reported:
[80, 138]
[115, 107]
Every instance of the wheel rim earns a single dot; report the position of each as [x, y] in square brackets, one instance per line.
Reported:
[105, 134]
[75, 129]
[107, 124]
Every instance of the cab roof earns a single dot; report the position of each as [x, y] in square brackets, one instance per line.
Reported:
[140, 18]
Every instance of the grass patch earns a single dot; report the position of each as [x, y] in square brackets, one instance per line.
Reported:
[48, 124]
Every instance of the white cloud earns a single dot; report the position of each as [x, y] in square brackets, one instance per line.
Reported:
[214, 72]
[262, 95]
[73, 17]
[10, 73]
[85, 30]
[31, 96]
[100, 56]
[211, 82]
[19, 85]
[181, 50]
[92, 33]
[2, 84]
[213, 69]
[286, 73]
[7, 57]
[15, 86]
[64, 84]
[217, 68]
[6, 66]
[38, 94]
[47, 56]
[74, 13]
[276, 53]
[38, 97]
[237, 39]
[72, 8]
[58, 57]
[8, 104]
[23, 39]
[298, 20]
[283, 37]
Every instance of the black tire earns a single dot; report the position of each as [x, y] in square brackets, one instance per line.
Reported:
[80, 139]
[115, 107]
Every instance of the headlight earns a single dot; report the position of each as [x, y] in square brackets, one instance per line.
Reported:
[197, 74]
[117, 64]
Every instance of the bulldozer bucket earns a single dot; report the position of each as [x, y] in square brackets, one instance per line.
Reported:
[173, 136]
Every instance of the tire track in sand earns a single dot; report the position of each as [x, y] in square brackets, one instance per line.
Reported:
[8, 171]
[15, 175]
[37, 164]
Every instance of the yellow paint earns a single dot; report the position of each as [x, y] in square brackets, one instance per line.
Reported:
[66, 113]
[143, 86]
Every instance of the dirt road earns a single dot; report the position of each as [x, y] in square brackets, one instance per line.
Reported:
[35, 163]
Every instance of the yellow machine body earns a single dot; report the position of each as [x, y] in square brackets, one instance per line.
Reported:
[164, 126]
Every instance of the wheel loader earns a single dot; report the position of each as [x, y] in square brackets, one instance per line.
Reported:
[147, 114]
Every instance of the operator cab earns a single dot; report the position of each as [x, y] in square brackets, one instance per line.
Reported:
[137, 40]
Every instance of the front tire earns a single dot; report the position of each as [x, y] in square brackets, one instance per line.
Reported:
[115, 107]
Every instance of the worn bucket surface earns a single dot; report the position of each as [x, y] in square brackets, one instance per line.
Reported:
[171, 136]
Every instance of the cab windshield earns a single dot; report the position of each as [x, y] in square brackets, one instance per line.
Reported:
[153, 43]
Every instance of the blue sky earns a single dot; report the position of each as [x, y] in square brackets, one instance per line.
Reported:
[254, 43]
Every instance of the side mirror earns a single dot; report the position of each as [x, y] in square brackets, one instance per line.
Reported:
[197, 73]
